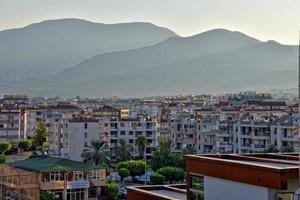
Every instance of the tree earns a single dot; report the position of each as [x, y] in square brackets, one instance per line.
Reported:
[271, 149]
[163, 156]
[25, 145]
[141, 142]
[123, 173]
[189, 150]
[287, 149]
[111, 190]
[41, 134]
[2, 158]
[135, 167]
[47, 196]
[96, 154]
[124, 150]
[172, 174]
[157, 179]
[4, 147]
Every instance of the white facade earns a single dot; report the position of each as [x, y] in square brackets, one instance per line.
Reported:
[216, 188]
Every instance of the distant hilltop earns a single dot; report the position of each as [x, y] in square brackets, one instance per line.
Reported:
[71, 56]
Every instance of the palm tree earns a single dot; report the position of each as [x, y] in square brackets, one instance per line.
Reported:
[165, 144]
[96, 154]
[141, 143]
[124, 150]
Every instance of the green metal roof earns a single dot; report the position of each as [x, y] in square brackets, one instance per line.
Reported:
[44, 163]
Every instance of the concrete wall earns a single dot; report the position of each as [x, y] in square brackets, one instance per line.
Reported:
[215, 188]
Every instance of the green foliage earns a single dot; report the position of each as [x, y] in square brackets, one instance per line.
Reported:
[288, 149]
[141, 142]
[47, 196]
[96, 154]
[123, 151]
[135, 167]
[271, 149]
[2, 158]
[111, 190]
[41, 134]
[163, 156]
[5, 146]
[157, 179]
[25, 145]
[123, 173]
[189, 150]
[172, 174]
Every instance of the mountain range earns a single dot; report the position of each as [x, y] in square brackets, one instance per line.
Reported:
[77, 57]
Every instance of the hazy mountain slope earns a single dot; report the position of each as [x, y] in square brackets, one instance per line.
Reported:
[213, 61]
[53, 45]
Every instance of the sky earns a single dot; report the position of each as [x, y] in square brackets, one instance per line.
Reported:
[264, 19]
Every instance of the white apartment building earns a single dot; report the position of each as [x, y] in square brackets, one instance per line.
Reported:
[130, 129]
[183, 133]
[69, 137]
[12, 125]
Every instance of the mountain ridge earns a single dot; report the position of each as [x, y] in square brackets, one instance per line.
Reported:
[214, 61]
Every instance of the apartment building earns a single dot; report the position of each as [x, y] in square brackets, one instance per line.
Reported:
[183, 133]
[13, 123]
[129, 129]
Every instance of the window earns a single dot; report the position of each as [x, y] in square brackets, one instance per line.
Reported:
[53, 176]
[85, 144]
[122, 132]
[197, 187]
[85, 125]
[85, 135]
[97, 174]
[130, 132]
[78, 176]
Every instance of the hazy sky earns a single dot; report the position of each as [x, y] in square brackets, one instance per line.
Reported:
[265, 19]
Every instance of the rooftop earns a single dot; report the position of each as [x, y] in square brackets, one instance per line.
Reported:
[262, 169]
[45, 163]
[158, 192]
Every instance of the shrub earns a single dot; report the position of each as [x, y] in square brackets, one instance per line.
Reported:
[172, 174]
[123, 173]
[47, 196]
[135, 167]
[5, 146]
[157, 179]
[25, 145]
[2, 159]
[112, 190]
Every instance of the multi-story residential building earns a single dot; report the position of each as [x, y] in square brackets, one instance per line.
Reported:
[206, 134]
[12, 124]
[34, 115]
[183, 133]
[130, 129]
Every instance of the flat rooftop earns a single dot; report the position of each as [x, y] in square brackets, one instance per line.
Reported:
[158, 192]
[271, 170]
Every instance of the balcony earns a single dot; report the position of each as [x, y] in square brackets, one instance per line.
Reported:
[289, 138]
[224, 134]
[245, 134]
[245, 146]
[56, 185]
[259, 146]
[261, 136]
[189, 141]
